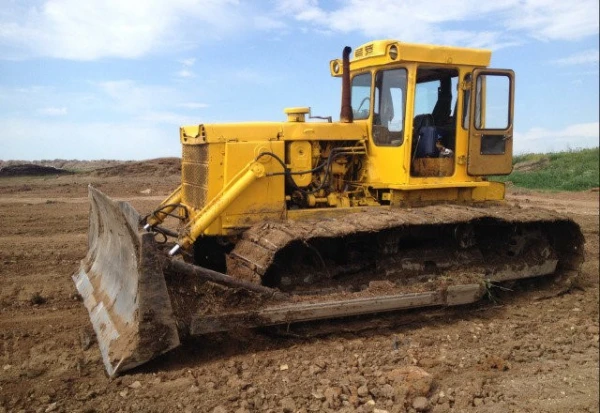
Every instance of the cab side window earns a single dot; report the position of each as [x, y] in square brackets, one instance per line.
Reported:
[389, 107]
[361, 96]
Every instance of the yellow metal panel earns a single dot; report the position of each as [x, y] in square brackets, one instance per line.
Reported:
[240, 132]
[494, 191]
[375, 53]
[443, 54]
[261, 131]
[325, 131]
[480, 163]
[202, 219]
[424, 196]
[460, 192]
[385, 165]
[299, 154]
[390, 165]
[265, 197]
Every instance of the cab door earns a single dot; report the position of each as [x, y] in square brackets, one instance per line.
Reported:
[491, 113]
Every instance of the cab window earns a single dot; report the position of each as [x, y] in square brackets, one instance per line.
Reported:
[493, 105]
[361, 96]
[388, 110]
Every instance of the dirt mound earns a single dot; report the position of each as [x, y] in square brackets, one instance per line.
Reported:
[74, 165]
[100, 168]
[31, 170]
[532, 165]
[152, 167]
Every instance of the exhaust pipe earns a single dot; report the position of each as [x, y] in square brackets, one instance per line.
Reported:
[346, 115]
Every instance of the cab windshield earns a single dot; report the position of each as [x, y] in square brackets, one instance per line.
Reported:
[361, 96]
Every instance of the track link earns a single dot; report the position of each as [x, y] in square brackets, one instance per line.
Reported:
[498, 241]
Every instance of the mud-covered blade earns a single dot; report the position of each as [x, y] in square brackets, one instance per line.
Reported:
[123, 287]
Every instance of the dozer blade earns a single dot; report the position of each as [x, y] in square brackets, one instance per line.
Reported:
[123, 287]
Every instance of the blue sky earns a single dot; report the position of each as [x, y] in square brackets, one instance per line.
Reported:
[114, 79]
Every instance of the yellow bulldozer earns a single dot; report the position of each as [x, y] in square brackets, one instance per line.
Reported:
[388, 208]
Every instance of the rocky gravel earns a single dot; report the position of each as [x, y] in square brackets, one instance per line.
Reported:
[533, 349]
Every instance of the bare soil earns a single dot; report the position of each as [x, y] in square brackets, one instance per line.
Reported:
[534, 349]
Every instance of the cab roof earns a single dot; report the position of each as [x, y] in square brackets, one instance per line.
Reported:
[383, 52]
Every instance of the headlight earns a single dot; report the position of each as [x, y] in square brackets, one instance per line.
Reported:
[336, 67]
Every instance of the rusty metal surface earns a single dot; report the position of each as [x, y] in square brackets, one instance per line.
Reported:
[297, 312]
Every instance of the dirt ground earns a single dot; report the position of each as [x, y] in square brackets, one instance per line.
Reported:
[534, 351]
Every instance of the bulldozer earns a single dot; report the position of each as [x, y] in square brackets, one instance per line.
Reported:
[274, 223]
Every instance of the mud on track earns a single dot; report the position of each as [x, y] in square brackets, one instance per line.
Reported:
[526, 352]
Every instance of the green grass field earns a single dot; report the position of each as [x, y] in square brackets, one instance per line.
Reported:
[574, 170]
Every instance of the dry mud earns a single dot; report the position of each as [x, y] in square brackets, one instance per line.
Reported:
[528, 351]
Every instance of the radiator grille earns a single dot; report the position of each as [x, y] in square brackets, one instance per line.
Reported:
[194, 171]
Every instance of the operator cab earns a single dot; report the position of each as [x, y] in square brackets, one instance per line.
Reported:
[438, 111]
[435, 109]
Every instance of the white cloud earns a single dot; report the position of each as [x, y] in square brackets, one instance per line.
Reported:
[113, 99]
[544, 140]
[51, 111]
[189, 62]
[130, 97]
[303, 10]
[94, 29]
[555, 19]
[148, 103]
[193, 105]
[184, 73]
[120, 119]
[590, 56]
[436, 21]
[268, 23]
[28, 98]
[579, 130]
[42, 101]
[410, 21]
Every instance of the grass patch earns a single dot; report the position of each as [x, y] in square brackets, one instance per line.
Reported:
[574, 170]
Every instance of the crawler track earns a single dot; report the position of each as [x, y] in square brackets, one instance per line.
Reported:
[406, 245]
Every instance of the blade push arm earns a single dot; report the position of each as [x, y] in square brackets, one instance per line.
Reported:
[200, 221]
[164, 209]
